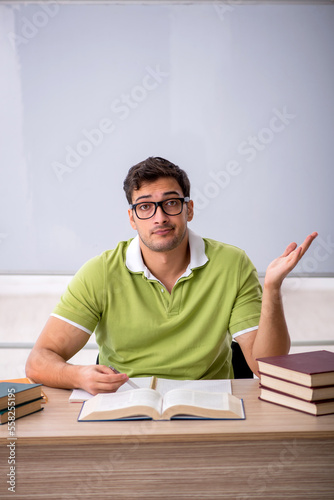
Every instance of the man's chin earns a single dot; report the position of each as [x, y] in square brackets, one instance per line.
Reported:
[164, 246]
[163, 243]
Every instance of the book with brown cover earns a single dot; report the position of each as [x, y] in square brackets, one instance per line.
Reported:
[316, 408]
[311, 369]
[297, 390]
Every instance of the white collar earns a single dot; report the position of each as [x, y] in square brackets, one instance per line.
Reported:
[134, 261]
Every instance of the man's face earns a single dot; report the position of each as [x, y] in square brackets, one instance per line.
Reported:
[161, 232]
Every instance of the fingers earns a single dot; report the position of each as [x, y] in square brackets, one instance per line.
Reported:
[100, 378]
[290, 248]
[307, 242]
[103, 369]
[108, 375]
[300, 250]
[108, 381]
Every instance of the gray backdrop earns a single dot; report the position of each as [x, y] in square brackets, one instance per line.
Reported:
[240, 96]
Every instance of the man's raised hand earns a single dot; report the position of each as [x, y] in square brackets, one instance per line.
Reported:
[279, 268]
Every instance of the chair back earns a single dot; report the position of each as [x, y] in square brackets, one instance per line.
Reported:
[240, 366]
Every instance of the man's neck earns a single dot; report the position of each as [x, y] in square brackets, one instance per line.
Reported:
[168, 266]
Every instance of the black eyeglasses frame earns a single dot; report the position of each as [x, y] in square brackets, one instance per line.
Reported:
[157, 204]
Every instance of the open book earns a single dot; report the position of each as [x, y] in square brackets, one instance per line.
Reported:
[150, 404]
[162, 385]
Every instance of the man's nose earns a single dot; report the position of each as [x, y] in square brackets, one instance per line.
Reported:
[160, 216]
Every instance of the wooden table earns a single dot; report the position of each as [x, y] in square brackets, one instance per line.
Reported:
[276, 453]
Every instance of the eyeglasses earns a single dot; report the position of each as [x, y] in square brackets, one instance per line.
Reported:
[147, 209]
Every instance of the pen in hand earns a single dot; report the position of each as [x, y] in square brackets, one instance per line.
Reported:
[132, 384]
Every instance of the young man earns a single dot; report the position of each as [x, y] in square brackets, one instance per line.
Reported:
[165, 303]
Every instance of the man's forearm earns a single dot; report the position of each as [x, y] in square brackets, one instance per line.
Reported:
[50, 369]
[47, 367]
[272, 338]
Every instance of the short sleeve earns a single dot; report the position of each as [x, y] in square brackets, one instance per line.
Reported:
[247, 306]
[83, 301]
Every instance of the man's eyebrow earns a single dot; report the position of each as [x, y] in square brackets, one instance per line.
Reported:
[167, 193]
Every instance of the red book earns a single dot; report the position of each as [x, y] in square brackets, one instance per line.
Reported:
[316, 408]
[297, 390]
[312, 369]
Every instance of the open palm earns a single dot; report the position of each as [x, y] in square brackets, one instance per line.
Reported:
[279, 268]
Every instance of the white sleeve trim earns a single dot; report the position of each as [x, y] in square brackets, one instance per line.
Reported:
[72, 323]
[244, 331]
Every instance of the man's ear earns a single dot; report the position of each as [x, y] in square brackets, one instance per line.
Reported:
[190, 206]
[132, 221]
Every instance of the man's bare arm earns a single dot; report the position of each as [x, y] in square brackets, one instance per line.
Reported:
[272, 337]
[47, 362]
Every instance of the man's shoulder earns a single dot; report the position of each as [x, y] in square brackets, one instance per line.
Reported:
[109, 257]
[117, 252]
[224, 256]
[215, 247]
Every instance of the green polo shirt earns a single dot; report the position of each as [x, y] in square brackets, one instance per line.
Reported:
[143, 330]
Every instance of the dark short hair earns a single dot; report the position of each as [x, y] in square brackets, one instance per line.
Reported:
[152, 169]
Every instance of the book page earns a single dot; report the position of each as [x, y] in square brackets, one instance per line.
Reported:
[163, 386]
[128, 399]
[210, 400]
[79, 395]
[219, 385]
[142, 382]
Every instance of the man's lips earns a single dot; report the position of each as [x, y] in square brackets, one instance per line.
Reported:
[162, 230]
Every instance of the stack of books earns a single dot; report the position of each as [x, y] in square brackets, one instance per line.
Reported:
[302, 381]
[18, 400]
